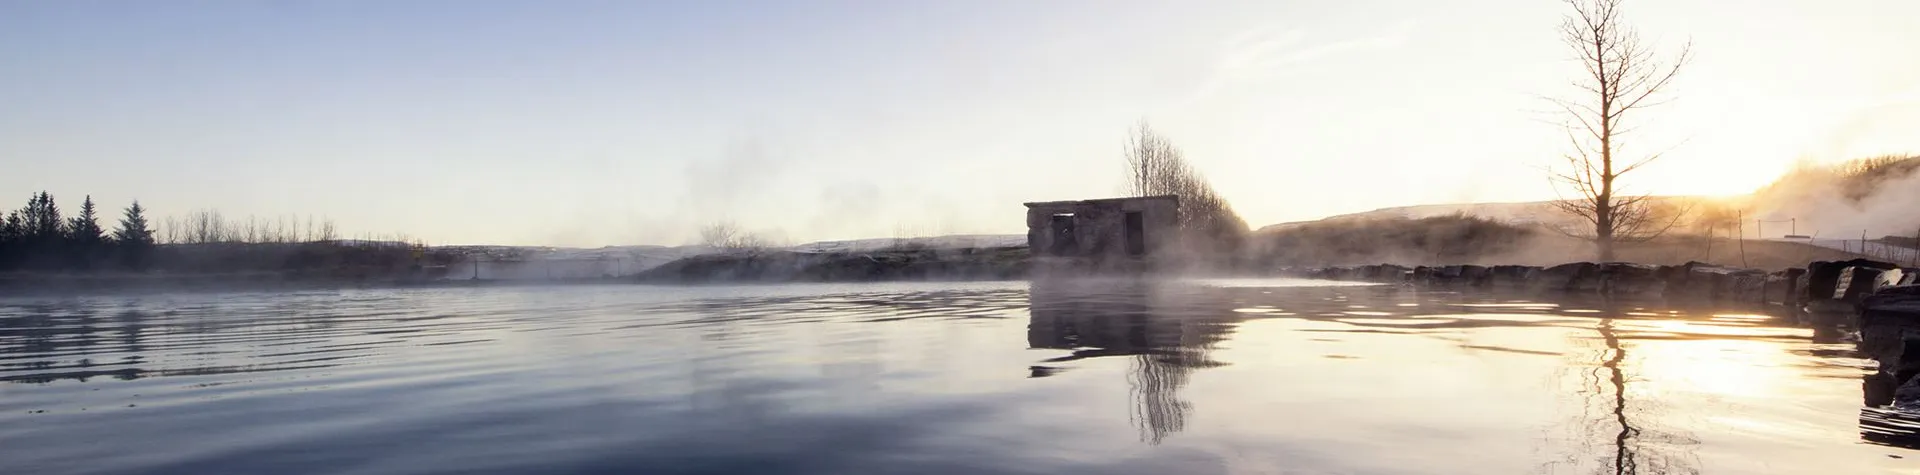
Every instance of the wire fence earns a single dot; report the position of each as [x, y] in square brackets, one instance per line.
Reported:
[1876, 250]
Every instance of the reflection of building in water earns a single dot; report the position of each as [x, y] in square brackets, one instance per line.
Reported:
[1148, 323]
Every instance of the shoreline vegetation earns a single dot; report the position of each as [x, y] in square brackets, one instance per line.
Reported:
[43, 251]
[746, 266]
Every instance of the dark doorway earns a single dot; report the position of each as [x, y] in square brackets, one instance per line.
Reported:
[1136, 234]
[1064, 243]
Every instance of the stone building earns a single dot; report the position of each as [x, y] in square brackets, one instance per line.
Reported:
[1104, 235]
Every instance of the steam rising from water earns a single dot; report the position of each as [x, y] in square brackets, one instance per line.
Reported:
[752, 184]
[1819, 200]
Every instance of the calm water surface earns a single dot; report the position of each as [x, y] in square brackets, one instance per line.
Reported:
[1188, 377]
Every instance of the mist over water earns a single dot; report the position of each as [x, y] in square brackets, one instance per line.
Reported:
[1234, 376]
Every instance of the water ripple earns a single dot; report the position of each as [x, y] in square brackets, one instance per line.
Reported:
[1113, 377]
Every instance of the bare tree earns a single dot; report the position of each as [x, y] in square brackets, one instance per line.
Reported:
[1623, 77]
[755, 240]
[208, 226]
[1155, 167]
[721, 234]
[250, 232]
[170, 230]
[727, 235]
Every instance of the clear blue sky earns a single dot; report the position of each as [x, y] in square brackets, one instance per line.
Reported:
[624, 122]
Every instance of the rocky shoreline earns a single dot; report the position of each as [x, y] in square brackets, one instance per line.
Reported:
[1694, 281]
[765, 266]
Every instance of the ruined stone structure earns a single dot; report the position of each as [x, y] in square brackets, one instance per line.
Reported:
[1115, 235]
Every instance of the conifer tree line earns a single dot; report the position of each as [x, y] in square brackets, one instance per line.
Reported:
[39, 237]
[42, 237]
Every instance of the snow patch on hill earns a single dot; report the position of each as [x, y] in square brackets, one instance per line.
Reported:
[968, 241]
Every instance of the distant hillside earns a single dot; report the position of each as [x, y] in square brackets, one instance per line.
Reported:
[1524, 214]
[1874, 196]
[541, 262]
[1461, 239]
[1520, 214]
[1401, 236]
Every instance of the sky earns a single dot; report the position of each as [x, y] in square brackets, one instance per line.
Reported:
[588, 123]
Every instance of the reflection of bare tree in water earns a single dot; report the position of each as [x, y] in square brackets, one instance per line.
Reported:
[1631, 447]
[1625, 461]
[1156, 380]
[1165, 344]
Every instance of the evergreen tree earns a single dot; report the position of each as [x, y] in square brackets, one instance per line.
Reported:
[43, 219]
[13, 232]
[42, 244]
[86, 227]
[85, 241]
[135, 239]
[14, 225]
[13, 228]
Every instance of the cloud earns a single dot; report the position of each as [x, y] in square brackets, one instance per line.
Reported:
[1257, 55]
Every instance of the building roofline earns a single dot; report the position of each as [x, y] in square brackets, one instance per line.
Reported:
[1175, 198]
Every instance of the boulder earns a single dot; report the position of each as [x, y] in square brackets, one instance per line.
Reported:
[1823, 277]
[1621, 279]
[1747, 285]
[1856, 283]
[1474, 275]
[1707, 281]
[1571, 277]
[1781, 286]
[1673, 278]
[1907, 398]
[1684, 283]
[1344, 274]
[1421, 276]
[1387, 273]
[1394, 274]
[1898, 305]
[1326, 273]
[1892, 277]
[1511, 277]
[1457, 276]
[1338, 273]
[1700, 281]
[1366, 272]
